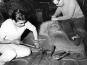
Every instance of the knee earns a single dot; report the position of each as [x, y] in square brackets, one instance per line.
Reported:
[82, 32]
[27, 51]
[8, 56]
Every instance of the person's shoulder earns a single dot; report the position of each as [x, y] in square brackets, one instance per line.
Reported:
[28, 23]
[7, 22]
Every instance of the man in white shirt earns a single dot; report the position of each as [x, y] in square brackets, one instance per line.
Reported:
[10, 35]
[72, 19]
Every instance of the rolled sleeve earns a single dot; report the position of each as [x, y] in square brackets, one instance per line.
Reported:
[30, 26]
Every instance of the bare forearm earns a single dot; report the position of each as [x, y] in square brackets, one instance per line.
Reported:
[17, 41]
[35, 34]
[7, 41]
[36, 42]
[54, 15]
[63, 17]
[57, 12]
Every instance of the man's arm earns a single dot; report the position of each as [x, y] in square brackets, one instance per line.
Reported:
[70, 13]
[5, 41]
[57, 12]
[32, 28]
[35, 34]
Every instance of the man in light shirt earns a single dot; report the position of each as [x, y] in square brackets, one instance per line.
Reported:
[72, 19]
[10, 35]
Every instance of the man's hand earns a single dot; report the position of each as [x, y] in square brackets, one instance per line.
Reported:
[54, 19]
[36, 43]
[17, 42]
[53, 16]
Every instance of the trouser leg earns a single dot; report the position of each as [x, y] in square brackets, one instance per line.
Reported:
[74, 26]
[7, 54]
[79, 26]
[67, 26]
[21, 50]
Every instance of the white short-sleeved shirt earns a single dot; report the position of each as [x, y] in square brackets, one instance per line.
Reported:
[9, 31]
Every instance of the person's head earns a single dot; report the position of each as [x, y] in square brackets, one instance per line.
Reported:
[58, 2]
[19, 16]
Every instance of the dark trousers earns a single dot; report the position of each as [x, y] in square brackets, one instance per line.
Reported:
[74, 26]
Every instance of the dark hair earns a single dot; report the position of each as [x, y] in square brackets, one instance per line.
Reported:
[19, 14]
[57, 0]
